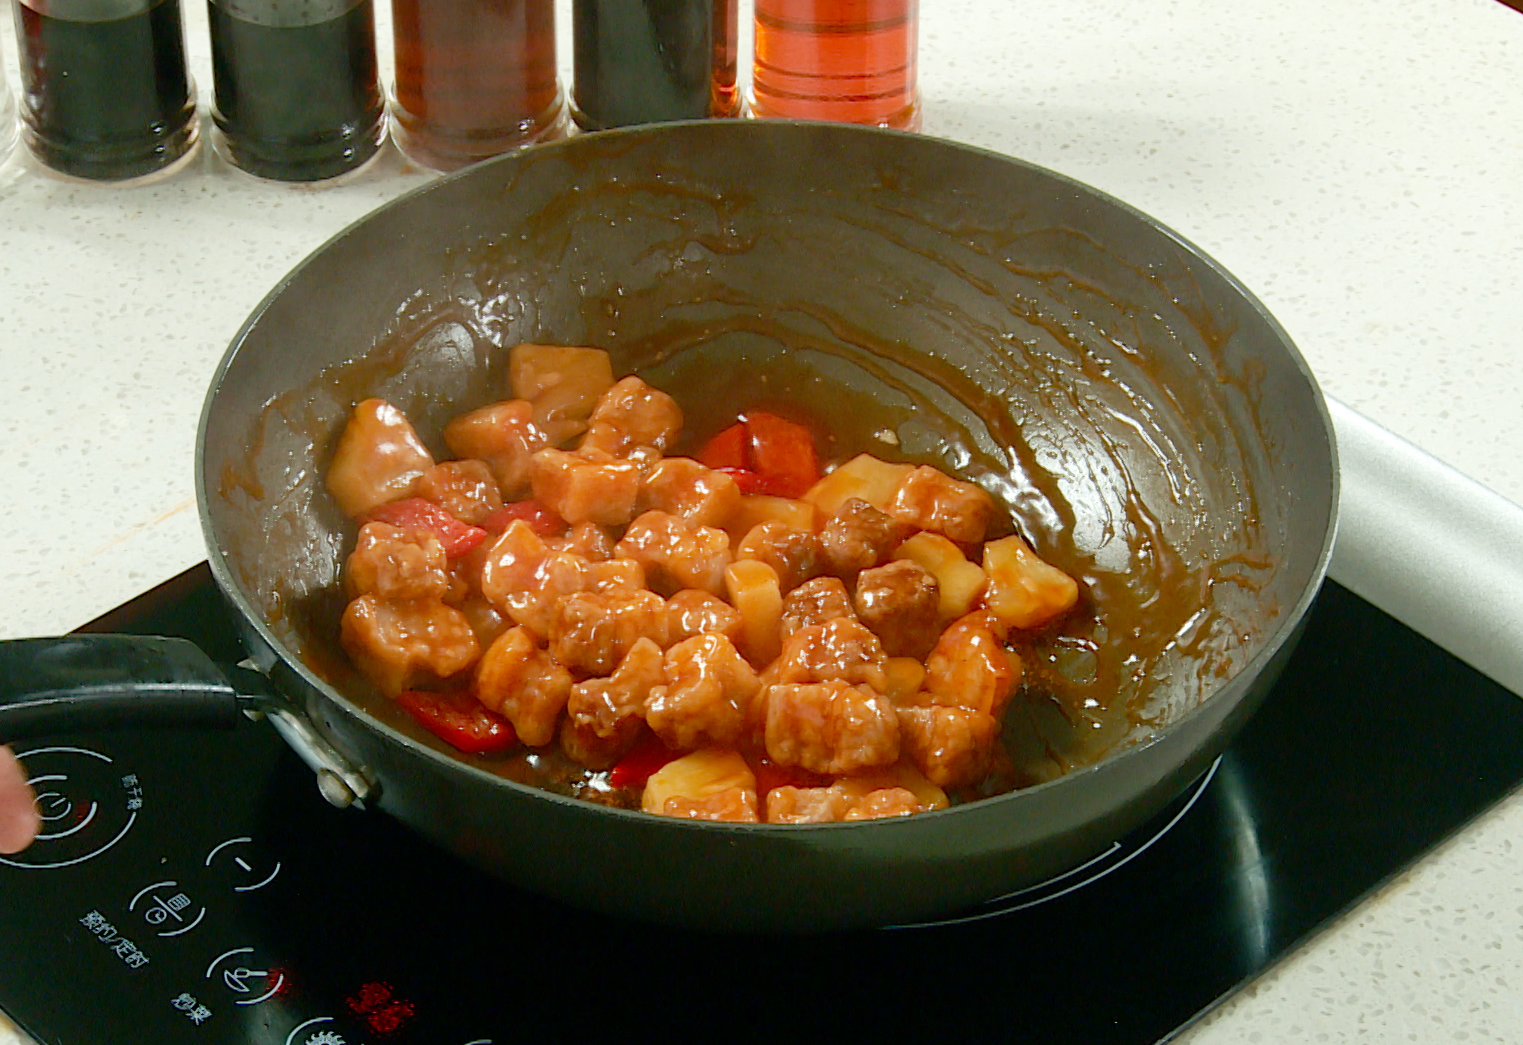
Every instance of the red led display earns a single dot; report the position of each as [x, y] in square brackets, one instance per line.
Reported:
[377, 1004]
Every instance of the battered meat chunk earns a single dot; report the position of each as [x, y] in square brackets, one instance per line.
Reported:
[830, 727]
[394, 563]
[633, 414]
[691, 612]
[900, 603]
[605, 716]
[971, 668]
[403, 643]
[840, 649]
[859, 537]
[815, 602]
[585, 486]
[379, 458]
[950, 745]
[837, 803]
[505, 437]
[524, 684]
[708, 692]
[683, 487]
[676, 553]
[465, 489]
[592, 631]
[929, 499]
[794, 554]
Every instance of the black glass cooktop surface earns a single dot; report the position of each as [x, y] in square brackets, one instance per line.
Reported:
[193, 887]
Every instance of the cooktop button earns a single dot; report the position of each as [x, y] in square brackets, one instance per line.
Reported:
[87, 804]
[249, 869]
[165, 906]
[313, 1032]
[247, 979]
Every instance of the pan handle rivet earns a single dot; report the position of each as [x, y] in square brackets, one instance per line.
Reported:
[332, 787]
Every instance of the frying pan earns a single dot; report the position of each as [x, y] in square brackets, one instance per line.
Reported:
[1150, 426]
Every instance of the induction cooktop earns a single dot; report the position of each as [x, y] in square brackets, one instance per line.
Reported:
[192, 887]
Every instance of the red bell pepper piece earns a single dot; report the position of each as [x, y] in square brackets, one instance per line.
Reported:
[727, 449]
[755, 483]
[540, 519]
[647, 756]
[415, 513]
[781, 452]
[766, 455]
[459, 720]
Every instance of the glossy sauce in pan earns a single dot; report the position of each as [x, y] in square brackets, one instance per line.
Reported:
[1079, 696]
[1112, 431]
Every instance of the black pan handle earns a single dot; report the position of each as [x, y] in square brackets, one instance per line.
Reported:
[93, 682]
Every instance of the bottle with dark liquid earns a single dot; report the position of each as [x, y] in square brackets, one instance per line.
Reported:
[639, 61]
[850, 61]
[474, 78]
[105, 92]
[295, 94]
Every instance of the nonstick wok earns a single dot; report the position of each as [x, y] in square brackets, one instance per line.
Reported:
[1150, 426]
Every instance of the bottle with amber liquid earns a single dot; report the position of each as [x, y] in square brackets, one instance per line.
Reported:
[104, 89]
[474, 78]
[850, 61]
[295, 90]
[641, 61]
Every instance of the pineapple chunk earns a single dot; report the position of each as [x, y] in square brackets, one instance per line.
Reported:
[863, 477]
[755, 509]
[1024, 591]
[563, 383]
[679, 785]
[959, 581]
[754, 591]
[902, 679]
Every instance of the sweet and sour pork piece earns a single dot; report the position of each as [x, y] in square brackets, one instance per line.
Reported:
[830, 727]
[605, 716]
[524, 684]
[591, 632]
[793, 553]
[900, 602]
[840, 649]
[466, 489]
[691, 612]
[394, 563]
[681, 486]
[403, 643]
[633, 414]
[504, 437]
[815, 602]
[950, 745]
[379, 458]
[707, 697]
[677, 553]
[971, 668]
[585, 486]
[859, 537]
[930, 499]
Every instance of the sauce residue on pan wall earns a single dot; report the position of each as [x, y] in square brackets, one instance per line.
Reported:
[1097, 403]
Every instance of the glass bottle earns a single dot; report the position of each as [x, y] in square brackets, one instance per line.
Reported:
[295, 92]
[104, 89]
[851, 61]
[639, 61]
[474, 78]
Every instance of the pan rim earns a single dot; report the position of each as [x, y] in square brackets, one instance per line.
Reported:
[1281, 632]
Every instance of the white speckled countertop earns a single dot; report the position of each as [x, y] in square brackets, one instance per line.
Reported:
[1355, 162]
